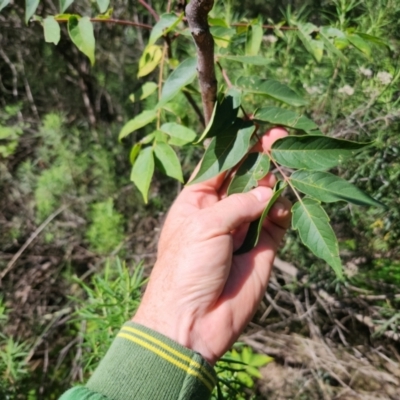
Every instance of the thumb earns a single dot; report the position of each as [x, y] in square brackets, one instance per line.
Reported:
[237, 209]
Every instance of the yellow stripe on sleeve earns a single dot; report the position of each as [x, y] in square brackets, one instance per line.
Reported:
[171, 350]
[185, 367]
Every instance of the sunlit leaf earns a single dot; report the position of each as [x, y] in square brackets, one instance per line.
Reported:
[225, 150]
[253, 168]
[329, 188]
[167, 161]
[134, 152]
[64, 4]
[30, 9]
[327, 34]
[312, 223]
[142, 171]
[149, 60]
[81, 33]
[166, 21]
[315, 47]
[180, 135]
[253, 39]
[314, 152]
[141, 120]
[281, 116]
[270, 88]
[360, 44]
[255, 227]
[222, 36]
[145, 91]
[373, 39]
[224, 115]
[51, 30]
[4, 3]
[103, 5]
[182, 76]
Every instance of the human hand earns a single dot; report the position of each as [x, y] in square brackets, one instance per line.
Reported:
[199, 293]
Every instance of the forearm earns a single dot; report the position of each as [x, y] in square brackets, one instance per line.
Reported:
[143, 364]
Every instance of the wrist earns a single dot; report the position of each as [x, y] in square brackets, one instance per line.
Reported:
[180, 330]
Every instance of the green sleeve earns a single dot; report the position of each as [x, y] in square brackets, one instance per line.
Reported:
[143, 364]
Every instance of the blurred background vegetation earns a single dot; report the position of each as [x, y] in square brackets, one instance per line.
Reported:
[69, 214]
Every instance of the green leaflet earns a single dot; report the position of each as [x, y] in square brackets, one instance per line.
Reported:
[225, 150]
[103, 5]
[182, 76]
[359, 43]
[314, 152]
[30, 9]
[270, 88]
[145, 91]
[134, 152]
[51, 30]
[4, 3]
[81, 33]
[142, 171]
[167, 161]
[290, 119]
[167, 22]
[64, 4]
[326, 33]
[373, 39]
[312, 222]
[253, 60]
[329, 188]
[315, 47]
[255, 227]
[254, 38]
[253, 168]
[141, 120]
[180, 135]
[224, 114]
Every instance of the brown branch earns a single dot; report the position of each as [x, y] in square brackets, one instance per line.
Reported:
[150, 9]
[196, 15]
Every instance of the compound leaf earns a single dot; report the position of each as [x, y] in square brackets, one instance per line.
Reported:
[180, 135]
[4, 3]
[224, 114]
[314, 152]
[329, 188]
[290, 119]
[81, 33]
[225, 150]
[270, 88]
[64, 4]
[51, 30]
[103, 5]
[166, 21]
[141, 120]
[253, 60]
[254, 38]
[142, 171]
[145, 91]
[167, 161]
[253, 168]
[359, 43]
[312, 222]
[255, 227]
[30, 9]
[182, 76]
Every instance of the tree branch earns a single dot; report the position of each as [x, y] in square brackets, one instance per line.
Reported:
[196, 15]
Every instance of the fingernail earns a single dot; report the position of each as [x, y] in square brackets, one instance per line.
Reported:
[262, 193]
[280, 209]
